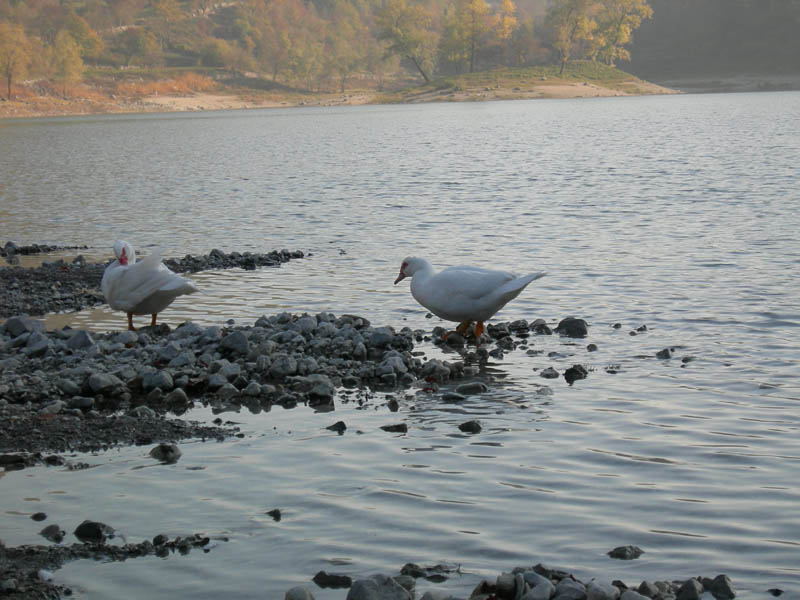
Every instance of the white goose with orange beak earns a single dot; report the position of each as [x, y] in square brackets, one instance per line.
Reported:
[141, 288]
[463, 294]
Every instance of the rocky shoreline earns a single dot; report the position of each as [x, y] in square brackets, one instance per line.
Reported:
[60, 286]
[73, 390]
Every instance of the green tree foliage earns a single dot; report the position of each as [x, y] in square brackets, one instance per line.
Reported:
[570, 24]
[407, 30]
[138, 45]
[15, 54]
[67, 61]
[89, 42]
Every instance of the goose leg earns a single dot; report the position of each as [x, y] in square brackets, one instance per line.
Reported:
[153, 320]
[460, 330]
[478, 331]
[130, 322]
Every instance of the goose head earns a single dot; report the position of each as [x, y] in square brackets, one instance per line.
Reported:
[411, 265]
[124, 252]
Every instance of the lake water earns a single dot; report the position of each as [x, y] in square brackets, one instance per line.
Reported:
[677, 212]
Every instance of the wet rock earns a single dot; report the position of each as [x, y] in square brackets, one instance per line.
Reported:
[16, 326]
[159, 379]
[378, 587]
[236, 342]
[633, 595]
[298, 593]
[102, 383]
[626, 552]
[275, 513]
[283, 366]
[470, 427]
[573, 327]
[399, 428]
[540, 327]
[93, 532]
[722, 588]
[690, 590]
[575, 372]
[166, 453]
[569, 589]
[549, 373]
[601, 590]
[39, 516]
[79, 340]
[452, 397]
[331, 580]
[339, 427]
[473, 387]
[54, 533]
[665, 353]
[591, 348]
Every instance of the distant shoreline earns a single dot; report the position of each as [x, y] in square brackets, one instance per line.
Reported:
[48, 106]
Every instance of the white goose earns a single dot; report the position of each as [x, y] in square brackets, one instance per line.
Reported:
[463, 294]
[141, 288]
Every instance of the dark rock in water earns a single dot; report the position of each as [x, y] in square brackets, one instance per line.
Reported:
[166, 453]
[690, 590]
[298, 593]
[626, 552]
[642, 328]
[436, 573]
[617, 325]
[54, 533]
[453, 397]
[775, 592]
[573, 327]
[470, 427]
[540, 327]
[722, 588]
[275, 513]
[339, 427]
[160, 540]
[378, 587]
[591, 348]
[93, 532]
[473, 387]
[393, 405]
[331, 580]
[549, 373]
[39, 516]
[455, 339]
[665, 353]
[399, 428]
[575, 372]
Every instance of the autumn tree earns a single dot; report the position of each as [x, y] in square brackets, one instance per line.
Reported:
[407, 30]
[15, 54]
[89, 42]
[570, 23]
[616, 22]
[137, 43]
[504, 24]
[67, 60]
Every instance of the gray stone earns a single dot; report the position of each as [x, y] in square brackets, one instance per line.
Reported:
[632, 595]
[549, 373]
[177, 397]
[216, 381]
[473, 387]
[143, 412]
[722, 587]
[79, 340]
[166, 453]
[20, 324]
[37, 345]
[53, 408]
[690, 590]
[252, 389]
[283, 366]
[573, 327]
[68, 387]
[81, 402]
[648, 589]
[101, 383]
[227, 391]
[306, 324]
[126, 337]
[601, 590]
[395, 363]
[569, 589]
[159, 379]
[381, 337]
[541, 591]
[236, 342]
[184, 359]
[298, 593]
[378, 587]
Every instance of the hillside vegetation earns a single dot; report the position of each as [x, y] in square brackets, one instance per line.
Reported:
[284, 50]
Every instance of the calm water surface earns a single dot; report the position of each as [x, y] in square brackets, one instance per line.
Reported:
[678, 213]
